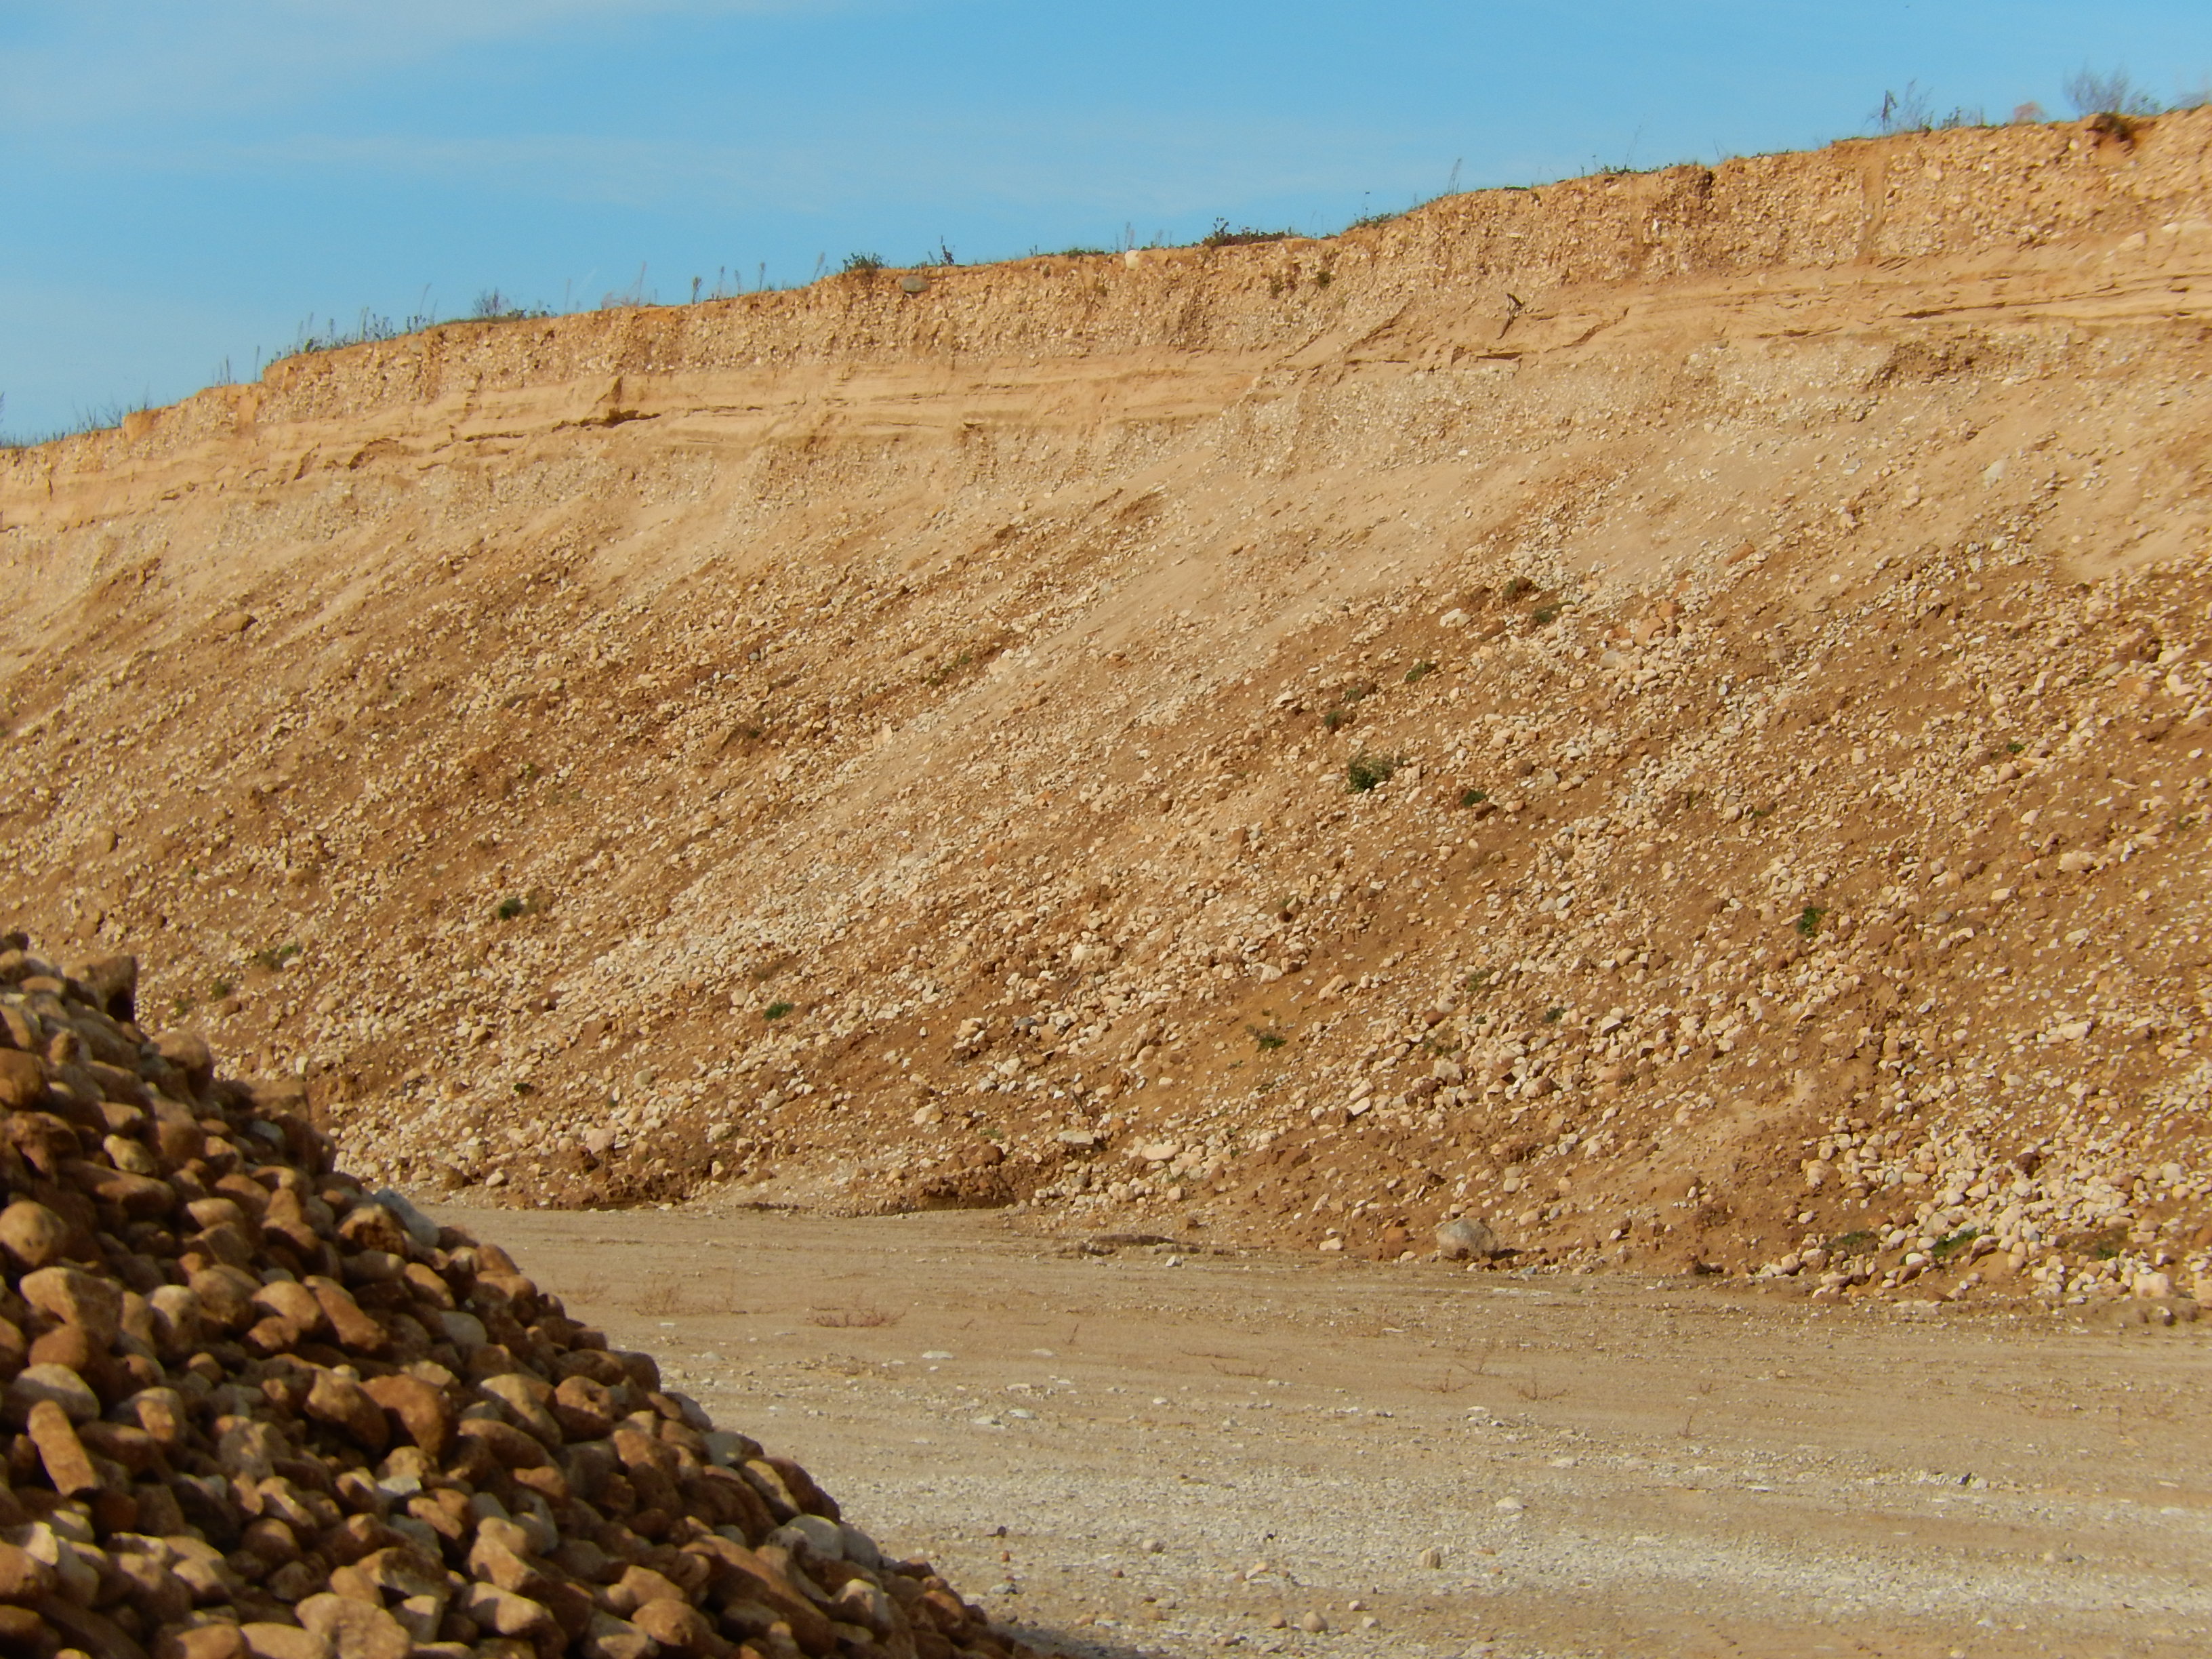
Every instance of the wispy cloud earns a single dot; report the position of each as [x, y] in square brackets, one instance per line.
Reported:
[96, 61]
[1088, 163]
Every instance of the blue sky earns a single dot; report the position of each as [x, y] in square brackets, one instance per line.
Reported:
[182, 186]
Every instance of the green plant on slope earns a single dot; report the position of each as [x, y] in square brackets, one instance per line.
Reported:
[1364, 772]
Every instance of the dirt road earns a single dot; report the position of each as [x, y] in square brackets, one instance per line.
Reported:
[1156, 1453]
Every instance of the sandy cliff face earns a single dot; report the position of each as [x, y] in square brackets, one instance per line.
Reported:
[875, 748]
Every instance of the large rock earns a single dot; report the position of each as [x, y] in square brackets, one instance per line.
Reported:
[176, 1316]
[32, 1235]
[23, 1081]
[1463, 1238]
[23, 1577]
[353, 1329]
[584, 1409]
[353, 1628]
[420, 1228]
[69, 1466]
[190, 1056]
[608, 1638]
[294, 1303]
[226, 1295]
[58, 1383]
[217, 1640]
[273, 1641]
[89, 1631]
[114, 982]
[345, 1405]
[419, 1412]
[504, 1613]
[73, 1296]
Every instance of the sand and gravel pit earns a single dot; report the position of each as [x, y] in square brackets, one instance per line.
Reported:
[1192, 1452]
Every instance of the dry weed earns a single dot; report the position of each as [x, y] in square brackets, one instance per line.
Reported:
[663, 1296]
[853, 1319]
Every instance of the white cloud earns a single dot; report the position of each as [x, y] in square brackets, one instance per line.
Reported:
[1097, 161]
[98, 61]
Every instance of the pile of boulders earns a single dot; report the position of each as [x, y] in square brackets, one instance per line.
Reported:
[254, 1409]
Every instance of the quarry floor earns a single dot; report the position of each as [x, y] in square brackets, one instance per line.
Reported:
[1144, 1452]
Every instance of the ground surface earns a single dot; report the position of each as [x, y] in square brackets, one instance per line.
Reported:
[1181, 1451]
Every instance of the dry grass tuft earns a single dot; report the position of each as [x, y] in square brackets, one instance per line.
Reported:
[853, 1319]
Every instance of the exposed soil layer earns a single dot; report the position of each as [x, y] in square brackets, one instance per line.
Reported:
[1666, 714]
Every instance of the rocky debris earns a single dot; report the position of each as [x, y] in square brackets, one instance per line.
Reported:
[1464, 1239]
[1702, 770]
[261, 1411]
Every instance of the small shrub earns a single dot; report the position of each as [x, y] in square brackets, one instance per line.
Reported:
[1364, 772]
[509, 908]
[1267, 1039]
[1553, 1016]
[945, 672]
[2098, 1246]
[1347, 700]
[1473, 797]
[2016, 748]
[1517, 587]
[368, 330]
[862, 265]
[492, 306]
[1809, 920]
[1420, 671]
[1951, 1244]
[1913, 110]
[1853, 1243]
[276, 957]
[2114, 93]
[853, 1319]
[1480, 981]
[180, 1007]
[1222, 236]
[778, 1010]
[221, 989]
[526, 1088]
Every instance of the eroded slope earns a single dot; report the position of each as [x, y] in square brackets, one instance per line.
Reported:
[884, 748]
